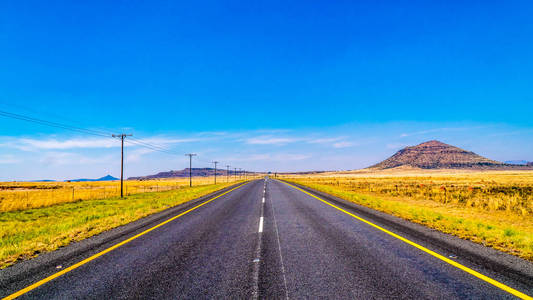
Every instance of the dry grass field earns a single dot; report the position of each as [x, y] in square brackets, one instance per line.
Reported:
[494, 208]
[54, 219]
[25, 195]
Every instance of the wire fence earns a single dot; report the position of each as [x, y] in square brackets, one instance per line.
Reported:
[26, 195]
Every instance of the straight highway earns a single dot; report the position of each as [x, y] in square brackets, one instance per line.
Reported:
[268, 239]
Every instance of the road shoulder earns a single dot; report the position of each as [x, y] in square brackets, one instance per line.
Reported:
[463, 251]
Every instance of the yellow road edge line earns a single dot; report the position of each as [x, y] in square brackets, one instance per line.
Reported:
[420, 247]
[95, 256]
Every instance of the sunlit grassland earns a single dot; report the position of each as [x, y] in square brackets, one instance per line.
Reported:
[26, 195]
[26, 233]
[491, 208]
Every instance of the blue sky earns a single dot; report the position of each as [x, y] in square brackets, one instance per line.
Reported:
[264, 86]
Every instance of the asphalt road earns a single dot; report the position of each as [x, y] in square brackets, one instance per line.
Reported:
[289, 245]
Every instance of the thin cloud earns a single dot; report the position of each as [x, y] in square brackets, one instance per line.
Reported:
[8, 159]
[68, 158]
[343, 145]
[507, 133]
[50, 144]
[270, 157]
[169, 141]
[324, 140]
[33, 144]
[136, 155]
[290, 157]
[395, 146]
[213, 133]
[270, 140]
[422, 132]
[336, 142]
[444, 129]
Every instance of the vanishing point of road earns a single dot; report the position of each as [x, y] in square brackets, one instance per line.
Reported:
[266, 239]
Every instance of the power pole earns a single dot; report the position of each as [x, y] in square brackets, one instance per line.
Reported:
[227, 173]
[235, 173]
[190, 155]
[122, 136]
[215, 162]
[240, 173]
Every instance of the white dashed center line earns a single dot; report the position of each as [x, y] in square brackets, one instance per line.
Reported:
[257, 259]
[261, 224]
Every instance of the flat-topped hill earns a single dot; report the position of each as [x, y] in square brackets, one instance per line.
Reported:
[438, 155]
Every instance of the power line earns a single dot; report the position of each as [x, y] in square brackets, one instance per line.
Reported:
[32, 110]
[152, 147]
[100, 133]
[53, 124]
[83, 130]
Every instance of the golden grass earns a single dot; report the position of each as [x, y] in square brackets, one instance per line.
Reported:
[26, 233]
[27, 195]
[492, 208]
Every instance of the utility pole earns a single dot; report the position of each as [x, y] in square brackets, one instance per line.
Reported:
[190, 155]
[215, 162]
[240, 173]
[227, 173]
[122, 136]
[235, 173]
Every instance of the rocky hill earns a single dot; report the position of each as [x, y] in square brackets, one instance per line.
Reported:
[438, 155]
[185, 173]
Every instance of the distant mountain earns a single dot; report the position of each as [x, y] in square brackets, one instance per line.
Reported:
[530, 164]
[438, 155]
[516, 162]
[197, 172]
[105, 178]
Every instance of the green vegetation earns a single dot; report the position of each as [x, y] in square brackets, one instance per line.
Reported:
[26, 233]
[505, 228]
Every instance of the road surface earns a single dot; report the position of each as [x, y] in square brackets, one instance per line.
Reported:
[267, 239]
